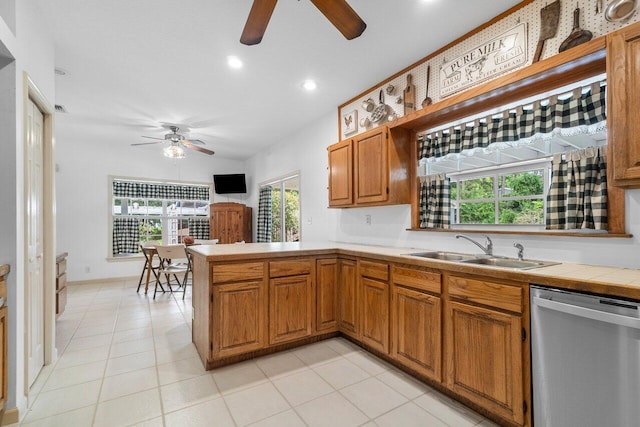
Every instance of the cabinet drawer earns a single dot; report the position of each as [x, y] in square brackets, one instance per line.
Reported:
[237, 272]
[375, 270]
[416, 278]
[61, 300]
[61, 282]
[493, 294]
[290, 267]
[61, 267]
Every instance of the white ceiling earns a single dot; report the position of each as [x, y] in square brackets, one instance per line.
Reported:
[133, 65]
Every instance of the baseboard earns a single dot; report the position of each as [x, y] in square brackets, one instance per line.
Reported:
[105, 280]
[10, 416]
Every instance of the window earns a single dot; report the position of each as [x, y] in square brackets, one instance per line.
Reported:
[509, 196]
[156, 213]
[284, 213]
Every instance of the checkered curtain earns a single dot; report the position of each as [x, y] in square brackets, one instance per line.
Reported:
[577, 198]
[126, 235]
[263, 233]
[434, 202]
[199, 228]
[147, 190]
[577, 110]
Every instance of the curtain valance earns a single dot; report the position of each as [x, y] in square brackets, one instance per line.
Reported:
[148, 190]
[581, 108]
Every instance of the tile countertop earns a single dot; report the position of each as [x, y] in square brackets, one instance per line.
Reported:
[622, 282]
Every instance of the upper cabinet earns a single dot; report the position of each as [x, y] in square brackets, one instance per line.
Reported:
[372, 169]
[623, 100]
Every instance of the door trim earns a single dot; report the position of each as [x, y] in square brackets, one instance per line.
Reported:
[31, 91]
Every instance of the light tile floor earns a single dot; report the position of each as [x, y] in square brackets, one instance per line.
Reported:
[125, 359]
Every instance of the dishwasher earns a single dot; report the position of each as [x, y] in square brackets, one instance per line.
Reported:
[585, 353]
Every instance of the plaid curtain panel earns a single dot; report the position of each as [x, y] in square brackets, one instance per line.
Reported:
[263, 233]
[579, 109]
[199, 228]
[147, 190]
[434, 202]
[126, 235]
[578, 195]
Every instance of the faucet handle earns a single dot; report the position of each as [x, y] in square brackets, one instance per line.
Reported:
[520, 250]
[489, 244]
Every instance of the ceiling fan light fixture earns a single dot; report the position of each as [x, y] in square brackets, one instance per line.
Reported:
[173, 151]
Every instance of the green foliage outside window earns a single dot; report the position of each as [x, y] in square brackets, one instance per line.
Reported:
[291, 216]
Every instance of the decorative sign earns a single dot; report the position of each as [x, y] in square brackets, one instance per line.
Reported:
[497, 56]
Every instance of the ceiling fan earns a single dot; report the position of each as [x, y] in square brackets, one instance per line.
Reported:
[338, 12]
[177, 142]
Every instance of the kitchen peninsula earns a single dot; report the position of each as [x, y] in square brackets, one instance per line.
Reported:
[463, 328]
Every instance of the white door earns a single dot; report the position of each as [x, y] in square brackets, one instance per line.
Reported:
[34, 201]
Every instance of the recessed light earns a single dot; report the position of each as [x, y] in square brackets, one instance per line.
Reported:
[309, 85]
[234, 62]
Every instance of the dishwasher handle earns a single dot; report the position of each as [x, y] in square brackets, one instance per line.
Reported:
[576, 310]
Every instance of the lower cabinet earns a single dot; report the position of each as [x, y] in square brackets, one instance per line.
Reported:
[290, 308]
[240, 318]
[375, 313]
[484, 346]
[327, 295]
[348, 318]
[417, 330]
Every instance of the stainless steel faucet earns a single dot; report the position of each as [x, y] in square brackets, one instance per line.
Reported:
[520, 250]
[488, 249]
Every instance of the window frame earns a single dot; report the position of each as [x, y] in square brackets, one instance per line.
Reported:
[164, 217]
[496, 172]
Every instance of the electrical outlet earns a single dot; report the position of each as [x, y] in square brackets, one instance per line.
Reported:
[367, 219]
[309, 221]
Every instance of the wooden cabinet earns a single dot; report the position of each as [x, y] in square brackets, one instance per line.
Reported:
[327, 295]
[371, 169]
[416, 328]
[374, 296]
[341, 174]
[348, 318]
[61, 283]
[623, 104]
[484, 345]
[4, 366]
[239, 309]
[291, 300]
[230, 222]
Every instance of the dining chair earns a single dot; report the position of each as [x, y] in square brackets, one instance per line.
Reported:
[174, 262]
[149, 267]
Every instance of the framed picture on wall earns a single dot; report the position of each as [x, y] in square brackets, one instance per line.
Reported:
[350, 122]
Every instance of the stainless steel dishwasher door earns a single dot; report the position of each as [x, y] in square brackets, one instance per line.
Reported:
[585, 352]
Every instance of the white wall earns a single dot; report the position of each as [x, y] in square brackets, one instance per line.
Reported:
[84, 166]
[33, 51]
[306, 151]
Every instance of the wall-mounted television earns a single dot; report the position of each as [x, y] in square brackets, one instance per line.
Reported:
[233, 183]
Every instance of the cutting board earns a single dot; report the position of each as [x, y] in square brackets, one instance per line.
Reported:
[409, 96]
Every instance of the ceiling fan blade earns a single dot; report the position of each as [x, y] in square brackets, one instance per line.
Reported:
[188, 144]
[148, 143]
[257, 21]
[342, 16]
[153, 137]
[193, 141]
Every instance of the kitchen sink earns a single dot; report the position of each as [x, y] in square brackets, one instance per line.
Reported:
[488, 260]
[444, 256]
[509, 263]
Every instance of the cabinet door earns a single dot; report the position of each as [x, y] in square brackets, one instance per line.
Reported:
[290, 308]
[348, 298]
[416, 330]
[375, 313]
[341, 174]
[484, 358]
[4, 372]
[235, 225]
[326, 295]
[240, 313]
[218, 226]
[371, 168]
[623, 104]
